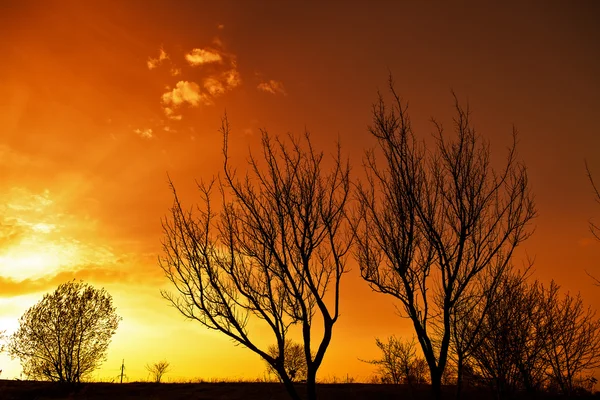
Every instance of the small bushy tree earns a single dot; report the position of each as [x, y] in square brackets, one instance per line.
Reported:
[294, 360]
[399, 362]
[64, 337]
[157, 370]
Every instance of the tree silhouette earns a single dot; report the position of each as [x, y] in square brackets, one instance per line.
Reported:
[432, 221]
[573, 342]
[294, 360]
[157, 370]
[278, 244]
[595, 229]
[509, 354]
[64, 337]
[399, 362]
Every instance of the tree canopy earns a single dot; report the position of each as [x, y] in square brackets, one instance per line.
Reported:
[64, 337]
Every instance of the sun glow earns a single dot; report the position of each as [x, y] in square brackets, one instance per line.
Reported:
[28, 261]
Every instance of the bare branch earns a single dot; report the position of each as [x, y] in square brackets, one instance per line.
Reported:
[433, 221]
[277, 246]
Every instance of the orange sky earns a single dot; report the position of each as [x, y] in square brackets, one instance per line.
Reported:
[99, 100]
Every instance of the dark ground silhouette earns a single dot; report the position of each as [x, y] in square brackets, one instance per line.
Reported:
[13, 390]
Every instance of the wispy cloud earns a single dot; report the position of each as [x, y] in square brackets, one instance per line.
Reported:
[232, 77]
[129, 271]
[273, 87]
[37, 237]
[214, 86]
[171, 114]
[144, 133]
[203, 56]
[155, 62]
[41, 245]
[13, 158]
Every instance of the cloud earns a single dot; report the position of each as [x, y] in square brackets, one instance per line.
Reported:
[218, 76]
[170, 113]
[218, 84]
[9, 156]
[214, 86]
[39, 237]
[155, 62]
[133, 271]
[145, 133]
[232, 78]
[203, 56]
[273, 87]
[184, 92]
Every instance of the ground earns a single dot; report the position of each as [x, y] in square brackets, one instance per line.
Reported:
[13, 390]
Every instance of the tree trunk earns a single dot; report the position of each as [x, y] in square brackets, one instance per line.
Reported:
[311, 384]
[289, 387]
[436, 384]
[459, 376]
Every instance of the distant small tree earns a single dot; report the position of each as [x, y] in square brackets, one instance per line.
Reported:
[3, 338]
[64, 337]
[399, 362]
[158, 370]
[294, 360]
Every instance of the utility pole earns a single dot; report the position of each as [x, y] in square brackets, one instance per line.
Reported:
[122, 370]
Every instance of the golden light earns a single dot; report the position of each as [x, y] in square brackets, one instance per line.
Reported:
[26, 262]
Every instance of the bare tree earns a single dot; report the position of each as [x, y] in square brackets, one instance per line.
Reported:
[573, 343]
[294, 360]
[157, 370]
[468, 318]
[595, 229]
[276, 251]
[64, 337]
[399, 362]
[533, 338]
[432, 221]
[509, 353]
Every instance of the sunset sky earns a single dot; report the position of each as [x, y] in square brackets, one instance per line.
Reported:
[99, 100]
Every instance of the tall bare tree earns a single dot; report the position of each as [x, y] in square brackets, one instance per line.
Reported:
[432, 220]
[276, 251]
